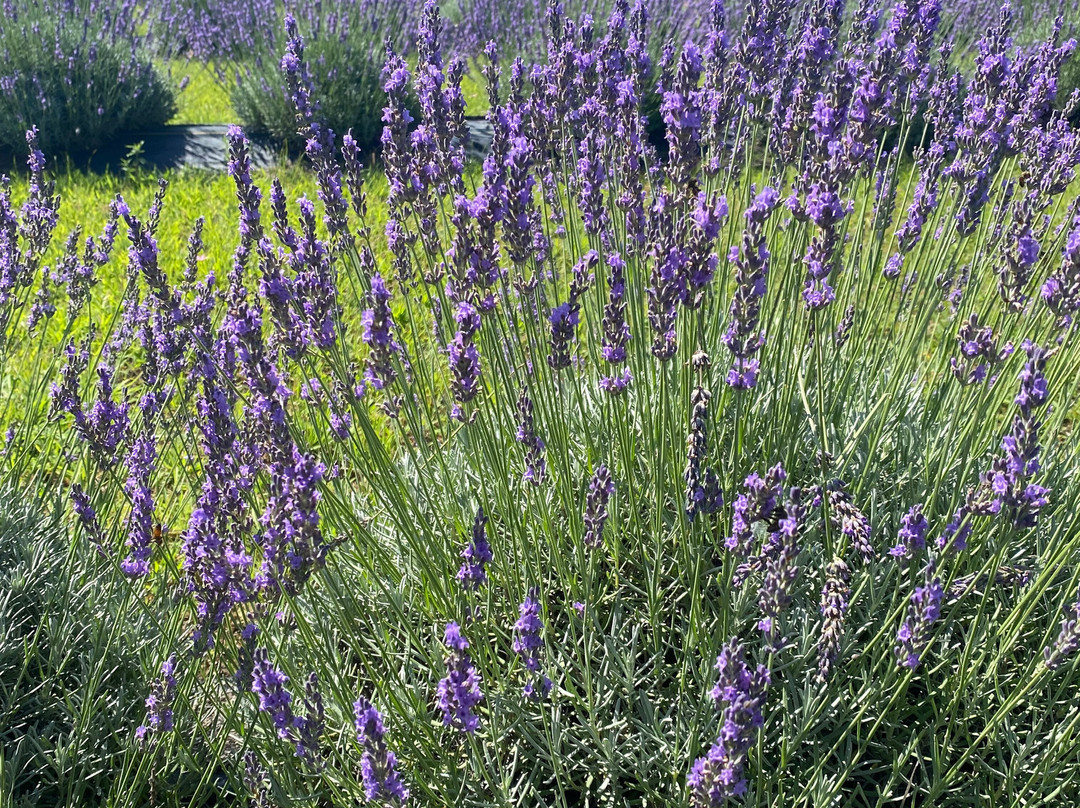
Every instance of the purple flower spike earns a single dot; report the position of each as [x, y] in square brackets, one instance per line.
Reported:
[159, 713]
[922, 613]
[912, 534]
[703, 495]
[757, 504]
[535, 464]
[834, 606]
[1068, 639]
[1007, 486]
[777, 559]
[616, 329]
[476, 555]
[743, 337]
[308, 729]
[459, 692]
[378, 334]
[528, 641]
[979, 352]
[378, 765]
[738, 696]
[268, 683]
[601, 487]
[1061, 291]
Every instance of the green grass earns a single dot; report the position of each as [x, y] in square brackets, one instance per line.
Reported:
[204, 99]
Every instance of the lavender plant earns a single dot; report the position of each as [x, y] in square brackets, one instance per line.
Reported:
[78, 70]
[585, 466]
[332, 53]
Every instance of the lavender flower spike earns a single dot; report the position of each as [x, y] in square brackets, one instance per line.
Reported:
[912, 534]
[378, 765]
[528, 641]
[459, 692]
[1068, 639]
[601, 487]
[922, 613]
[378, 334]
[834, 606]
[476, 555]
[268, 683]
[159, 715]
[535, 465]
[1061, 291]
[309, 728]
[743, 337]
[703, 495]
[738, 695]
[1007, 486]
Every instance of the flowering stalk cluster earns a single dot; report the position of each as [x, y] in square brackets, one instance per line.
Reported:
[1007, 487]
[378, 765]
[459, 692]
[528, 640]
[923, 611]
[738, 695]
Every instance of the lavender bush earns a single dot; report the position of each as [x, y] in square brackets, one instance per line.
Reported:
[79, 70]
[740, 472]
[325, 62]
[212, 30]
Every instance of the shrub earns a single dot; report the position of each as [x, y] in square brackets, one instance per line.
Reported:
[522, 29]
[343, 48]
[71, 684]
[212, 30]
[78, 70]
[741, 472]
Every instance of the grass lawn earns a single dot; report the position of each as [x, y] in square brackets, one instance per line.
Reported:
[205, 98]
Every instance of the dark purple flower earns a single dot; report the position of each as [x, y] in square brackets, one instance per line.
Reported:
[957, 531]
[378, 765]
[459, 692]
[601, 487]
[1020, 248]
[268, 683]
[308, 729]
[535, 464]
[1068, 639]
[292, 542]
[703, 495]
[476, 555]
[615, 328]
[217, 568]
[159, 713]
[912, 534]
[564, 320]
[88, 518]
[778, 557]
[378, 331]
[979, 352]
[667, 283]
[1061, 291]
[834, 606]
[743, 337]
[757, 504]
[1007, 486]
[140, 465]
[738, 696]
[680, 108]
[706, 217]
[825, 209]
[851, 521]
[464, 358]
[528, 642]
[922, 613]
